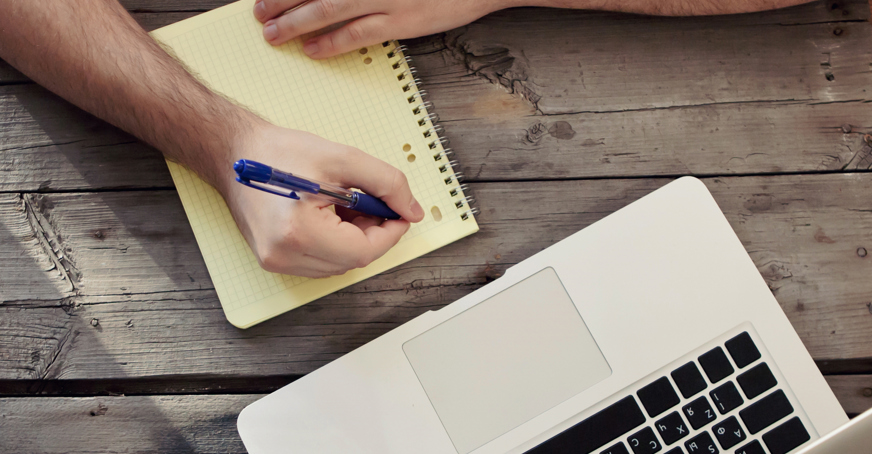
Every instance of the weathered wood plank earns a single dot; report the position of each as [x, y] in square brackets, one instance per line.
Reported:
[807, 235]
[564, 62]
[853, 391]
[31, 267]
[184, 424]
[754, 87]
[164, 424]
[49, 145]
[707, 140]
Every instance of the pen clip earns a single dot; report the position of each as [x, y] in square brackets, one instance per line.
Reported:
[291, 195]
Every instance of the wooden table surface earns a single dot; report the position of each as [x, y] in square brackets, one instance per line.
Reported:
[111, 336]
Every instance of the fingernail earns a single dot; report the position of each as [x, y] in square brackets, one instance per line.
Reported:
[417, 211]
[259, 10]
[310, 48]
[270, 31]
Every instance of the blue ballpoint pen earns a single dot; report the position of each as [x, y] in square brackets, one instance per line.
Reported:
[261, 176]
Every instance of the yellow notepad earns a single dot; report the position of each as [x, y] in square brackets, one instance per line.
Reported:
[357, 99]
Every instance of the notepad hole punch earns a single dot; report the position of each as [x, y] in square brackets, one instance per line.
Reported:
[367, 61]
[407, 147]
[431, 132]
[437, 213]
[363, 51]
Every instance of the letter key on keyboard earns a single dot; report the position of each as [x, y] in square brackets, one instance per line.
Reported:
[726, 397]
[699, 412]
[672, 428]
[728, 432]
[701, 444]
[644, 442]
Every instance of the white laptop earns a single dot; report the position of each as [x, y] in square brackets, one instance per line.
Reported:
[650, 331]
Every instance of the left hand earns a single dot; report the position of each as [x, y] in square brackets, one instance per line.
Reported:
[368, 21]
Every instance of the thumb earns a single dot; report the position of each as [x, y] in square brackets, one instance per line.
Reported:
[380, 179]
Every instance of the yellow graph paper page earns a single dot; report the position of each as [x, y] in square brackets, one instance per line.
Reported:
[355, 99]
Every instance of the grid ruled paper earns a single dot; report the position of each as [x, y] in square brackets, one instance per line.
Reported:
[353, 99]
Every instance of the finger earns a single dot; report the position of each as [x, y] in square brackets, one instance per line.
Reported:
[265, 10]
[309, 17]
[362, 32]
[347, 245]
[357, 169]
[306, 266]
[365, 222]
[362, 221]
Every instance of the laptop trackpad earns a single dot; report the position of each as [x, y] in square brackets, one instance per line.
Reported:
[506, 360]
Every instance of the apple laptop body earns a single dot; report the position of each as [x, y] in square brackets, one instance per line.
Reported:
[854, 437]
[650, 331]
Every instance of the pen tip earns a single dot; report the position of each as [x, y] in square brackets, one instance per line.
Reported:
[239, 165]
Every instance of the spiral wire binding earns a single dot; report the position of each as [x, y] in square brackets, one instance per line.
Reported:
[443, 156]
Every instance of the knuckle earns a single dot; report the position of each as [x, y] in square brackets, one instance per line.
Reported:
[356, 32]
[399, 182]
[325, 9]
[270, 262]
[363, 261]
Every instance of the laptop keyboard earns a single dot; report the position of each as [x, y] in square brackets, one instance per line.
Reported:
[710, 406]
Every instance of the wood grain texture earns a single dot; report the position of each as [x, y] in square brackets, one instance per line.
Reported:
[544, 94]
[143, 424]
[184, 424]
[144, 285]
[853, 391]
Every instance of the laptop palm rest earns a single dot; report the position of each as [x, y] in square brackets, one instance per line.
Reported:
[506, 360]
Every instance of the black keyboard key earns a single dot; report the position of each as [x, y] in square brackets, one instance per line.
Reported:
[699, 412]
[644, 442]
[757, 380]
[688, 379]
[701, 444]
[785, 437]
[729, 433]
[743, 350]
[658, 397]
[753, 447]
[616, 449]
[675, 450]
[766, 411]
[726, 397]
[594, 432]
[716, 365]
[671, 428]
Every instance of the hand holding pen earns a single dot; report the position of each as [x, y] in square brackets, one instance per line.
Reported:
[265, 178]
[308, 237]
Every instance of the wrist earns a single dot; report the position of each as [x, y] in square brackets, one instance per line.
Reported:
[240, 138]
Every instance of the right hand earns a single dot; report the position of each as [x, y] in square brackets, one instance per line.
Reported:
[307, 237]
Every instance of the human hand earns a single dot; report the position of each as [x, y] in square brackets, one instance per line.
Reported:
[368, 21]
[306, 237]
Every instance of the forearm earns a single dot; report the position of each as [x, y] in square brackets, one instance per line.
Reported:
[665, 7]
[95, 55]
